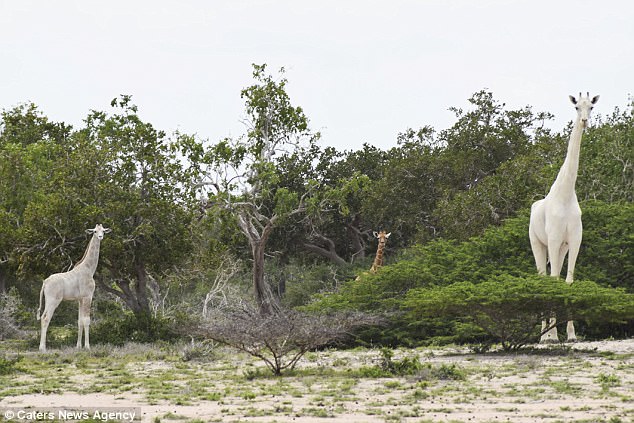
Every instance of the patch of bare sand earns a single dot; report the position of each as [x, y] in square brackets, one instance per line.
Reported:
[593, 383]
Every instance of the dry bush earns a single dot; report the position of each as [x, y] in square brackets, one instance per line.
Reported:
[9, 309]
[280, 338]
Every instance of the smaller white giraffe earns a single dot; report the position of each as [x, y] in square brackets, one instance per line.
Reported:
[555, 224]
[76, 284]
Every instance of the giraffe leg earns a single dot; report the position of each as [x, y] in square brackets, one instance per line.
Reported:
[79, 324]
[555, 252]
[85, 319]
[45, 319]
[574, 244]
[556, 260]
[540, 252]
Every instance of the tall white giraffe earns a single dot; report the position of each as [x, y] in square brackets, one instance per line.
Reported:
[555, 224]
[76, 284]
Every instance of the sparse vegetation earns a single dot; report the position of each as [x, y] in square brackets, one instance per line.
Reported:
[282, 337]
[395, 384]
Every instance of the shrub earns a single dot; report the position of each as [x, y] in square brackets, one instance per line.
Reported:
[7, 365]
[10, 310]
[510, 308]
[605, 257]
[280, 338]
[199, 351]
[123, 326]
[410, 365]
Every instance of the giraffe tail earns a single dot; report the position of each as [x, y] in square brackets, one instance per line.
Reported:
[40, 307]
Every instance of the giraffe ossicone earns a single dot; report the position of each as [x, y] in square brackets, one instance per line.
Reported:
[555, 227]
[76, 284]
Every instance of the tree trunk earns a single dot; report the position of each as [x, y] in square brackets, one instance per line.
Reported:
[356, 239]
[258, 277]
[329, 253]
[141, 290]
[3, 281]
[257, 240]
[136, 299]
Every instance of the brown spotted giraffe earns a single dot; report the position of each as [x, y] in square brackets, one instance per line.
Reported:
[378, 259]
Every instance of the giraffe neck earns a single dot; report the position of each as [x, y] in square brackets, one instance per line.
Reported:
[378, 260]
[564, 185]
[91, 256]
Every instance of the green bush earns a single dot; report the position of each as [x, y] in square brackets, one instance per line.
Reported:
[510, 309]
[7, 365]
[123, 327]
[606, 257]
[411, 366]
[407, 366]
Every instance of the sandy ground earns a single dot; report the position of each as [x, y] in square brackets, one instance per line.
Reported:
[594, 383]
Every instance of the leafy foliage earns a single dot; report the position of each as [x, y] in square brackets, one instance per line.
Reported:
[245, 178]
[456, 201]
[510, 308]
[501, 252]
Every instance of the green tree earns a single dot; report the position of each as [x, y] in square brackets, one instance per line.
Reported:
[119, 171]
[606, 170]
[142, 183]
[347, 178]
[245, 178]
[30, 147]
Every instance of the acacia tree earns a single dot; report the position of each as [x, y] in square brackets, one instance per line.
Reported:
[510, 309]
[244, 177]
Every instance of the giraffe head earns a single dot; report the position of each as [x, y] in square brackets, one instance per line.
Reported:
[99, 231]
[584, 105]
[382, 237]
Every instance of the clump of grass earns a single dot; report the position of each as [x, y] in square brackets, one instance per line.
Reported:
[7, 365]
[442, 372]
[199, 351]
[410, 365]
[607, 381]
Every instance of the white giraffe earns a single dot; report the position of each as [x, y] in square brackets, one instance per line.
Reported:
[76, 284]
[555, 225]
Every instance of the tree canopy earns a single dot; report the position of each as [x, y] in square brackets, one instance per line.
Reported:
[297, 216]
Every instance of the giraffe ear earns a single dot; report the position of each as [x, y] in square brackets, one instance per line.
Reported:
[376, 234]
[572, 99]
[388, 235]
[107, 230]
[595, 99]
[90, 231]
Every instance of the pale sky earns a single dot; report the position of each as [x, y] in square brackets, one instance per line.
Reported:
[362, 70]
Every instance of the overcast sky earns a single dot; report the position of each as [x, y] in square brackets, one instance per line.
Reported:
[362, 70]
